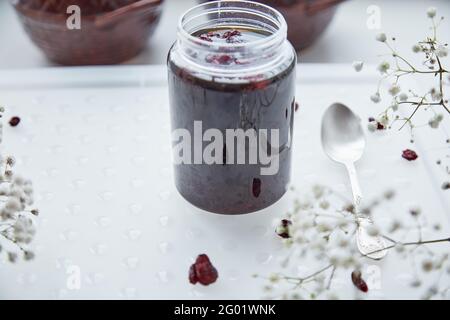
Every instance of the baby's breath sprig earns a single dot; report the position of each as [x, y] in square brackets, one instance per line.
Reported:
[321, 233]
[398, 66]
[16, 198]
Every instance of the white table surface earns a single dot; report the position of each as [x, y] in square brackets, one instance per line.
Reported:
[95, 142]
[347, 38]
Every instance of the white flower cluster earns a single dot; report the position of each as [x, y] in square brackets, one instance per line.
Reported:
[397, 67]
[16, 197]
[322, 235]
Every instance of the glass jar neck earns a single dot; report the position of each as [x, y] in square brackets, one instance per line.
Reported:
[265, 52]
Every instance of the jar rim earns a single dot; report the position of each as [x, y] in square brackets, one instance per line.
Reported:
[279, 19]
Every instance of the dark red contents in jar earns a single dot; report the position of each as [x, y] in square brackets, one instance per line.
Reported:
[203, 271]
[229, 36]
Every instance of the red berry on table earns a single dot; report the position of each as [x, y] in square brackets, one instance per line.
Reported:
[359, 282]
[203, 271]
[409, 155]
[283, 228]
[14, 121]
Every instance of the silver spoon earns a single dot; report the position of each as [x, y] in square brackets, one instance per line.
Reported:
[343, 141]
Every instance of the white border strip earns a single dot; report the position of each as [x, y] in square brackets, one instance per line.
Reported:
[156, 76]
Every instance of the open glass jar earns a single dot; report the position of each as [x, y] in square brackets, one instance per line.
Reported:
[232, 99]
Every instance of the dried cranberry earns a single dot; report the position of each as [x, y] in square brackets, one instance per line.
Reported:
[206, 38]
[229, 34]
[256, 187]
[359, 282]
[409, 155]
[283, 228]
[14, 121]
[203, 271]
[380, 126]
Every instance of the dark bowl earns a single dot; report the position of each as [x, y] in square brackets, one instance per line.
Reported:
[111, 31]
[306, 19]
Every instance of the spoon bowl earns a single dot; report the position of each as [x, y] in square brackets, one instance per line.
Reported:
[342, 135]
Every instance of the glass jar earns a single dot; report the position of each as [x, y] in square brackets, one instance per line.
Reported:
[232, 101]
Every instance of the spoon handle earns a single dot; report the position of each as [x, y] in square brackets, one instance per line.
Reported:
[356, 189]
[369, 246]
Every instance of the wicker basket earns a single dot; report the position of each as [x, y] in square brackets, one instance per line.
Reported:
[112, 31]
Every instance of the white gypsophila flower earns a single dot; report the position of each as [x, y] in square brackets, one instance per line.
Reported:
[441, 51]
[394, 89]
[394, 106]
[318, 191]
[427, 265]
[372, 126]
[12, 257]
[395, 225]
[435, 94]
[13, 204]
[358, 65]
[400, 248]
[28, 255]
[376, 98]
[383, 67]
[324, 204]
[381, 37]
[416, 283]
[329, 241]
[384, 120]
[403, 97]
[435, 121]
[431, 12]
[416, 48]
[24, 230]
